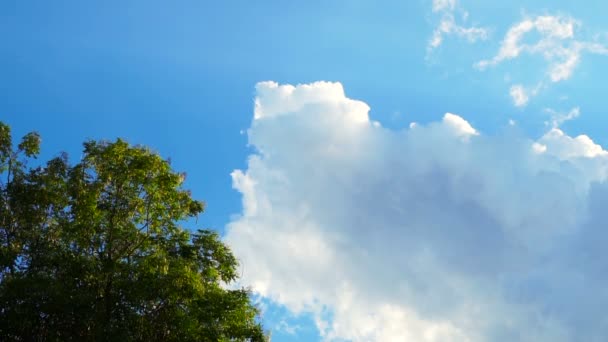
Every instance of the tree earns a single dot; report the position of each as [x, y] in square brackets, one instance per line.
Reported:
[94, 252]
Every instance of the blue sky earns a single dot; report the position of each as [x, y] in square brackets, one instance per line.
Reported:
[181, 77]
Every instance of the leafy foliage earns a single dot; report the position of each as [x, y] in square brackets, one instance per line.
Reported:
[93, 251]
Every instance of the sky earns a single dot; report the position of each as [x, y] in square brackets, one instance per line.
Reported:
[426, 170]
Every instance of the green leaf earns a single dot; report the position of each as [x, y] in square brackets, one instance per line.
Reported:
[30, 144]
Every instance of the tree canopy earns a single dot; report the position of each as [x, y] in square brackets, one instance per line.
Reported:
[95, 252]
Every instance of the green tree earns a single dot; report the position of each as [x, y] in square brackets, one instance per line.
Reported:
[94, 252]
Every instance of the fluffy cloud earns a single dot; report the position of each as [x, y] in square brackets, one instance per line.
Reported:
[448, 25]
[556, 43]
[433, 233]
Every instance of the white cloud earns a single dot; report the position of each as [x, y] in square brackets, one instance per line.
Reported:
[458, 125]
[566, 147]
[556, 43]
[552, 30]
[434, 233]
[558, 118]
[444, 5]
[287, 328]
[448, 26]
[519, 95]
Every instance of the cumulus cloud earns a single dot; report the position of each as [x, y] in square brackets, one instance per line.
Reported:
[448, 25]
[556, 42]
[566, 147]
[432, 233]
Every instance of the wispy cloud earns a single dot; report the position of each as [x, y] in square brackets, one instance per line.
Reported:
[448, 25]
[288, 328]
[444, 5]
[553, 30]
[558, 118]
[557, 44]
